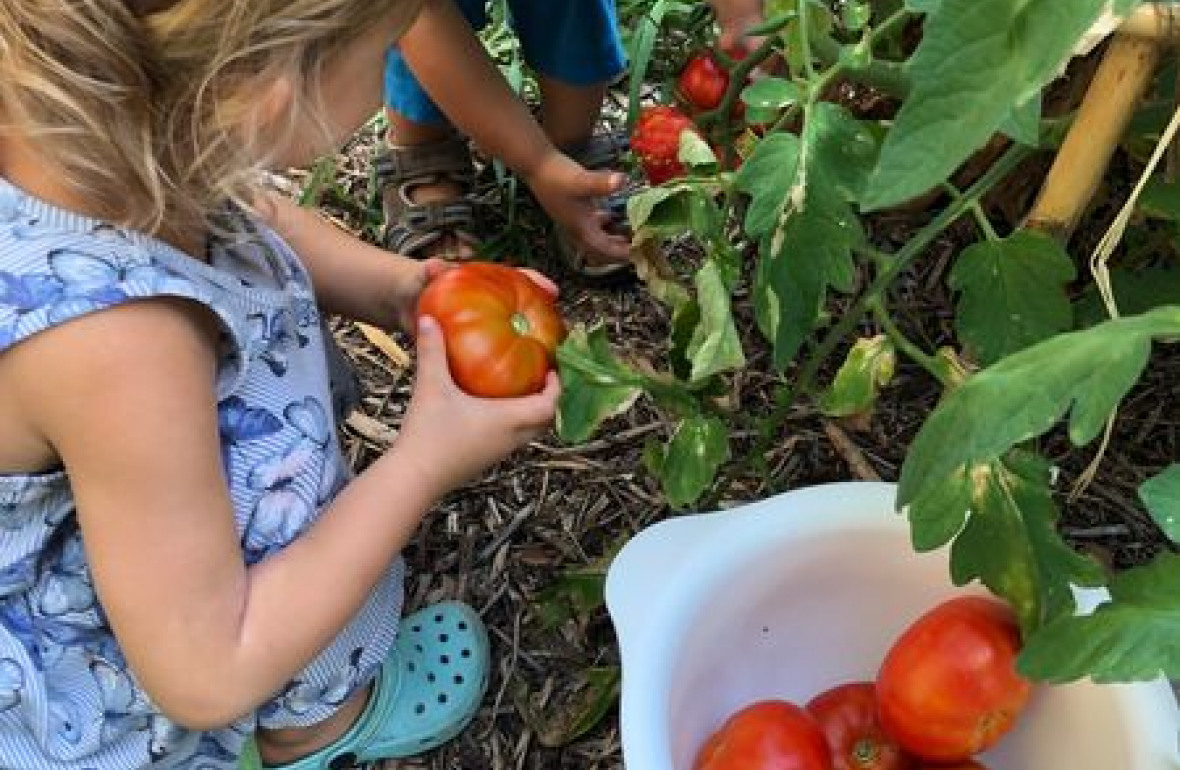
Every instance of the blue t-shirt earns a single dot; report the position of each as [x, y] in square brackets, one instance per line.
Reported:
[68, 700]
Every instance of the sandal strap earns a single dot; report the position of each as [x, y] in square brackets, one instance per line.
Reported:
[450, 158]
[601, 150]
[418, 225]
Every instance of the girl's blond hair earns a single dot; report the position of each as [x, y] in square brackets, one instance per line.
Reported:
[146, 108]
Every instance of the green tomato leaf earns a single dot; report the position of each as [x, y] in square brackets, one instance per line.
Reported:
[855, 15]
[1160, 199]
[689, 463]
[766, 97]
[642, 206]
[1161, 495]
[695, 151]
[842, 151]
[1011, 293]
[809, 254]
[923, 6]
[1084, 374]
[976, 62]
[1010, 541]
[596, 385]
[1023, 123]
[685, 320]
[715, 346]
[868, 368]
[1132, 637]
[767, 177]
[576, 593]
[561, 718]
[799, 213]
[1134, 293]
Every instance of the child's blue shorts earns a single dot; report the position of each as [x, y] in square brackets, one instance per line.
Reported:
[573, 41]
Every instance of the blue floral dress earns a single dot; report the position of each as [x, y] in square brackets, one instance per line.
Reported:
[68, 700]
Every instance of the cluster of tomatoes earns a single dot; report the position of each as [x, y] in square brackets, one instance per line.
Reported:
[700, 88]
[946, 690]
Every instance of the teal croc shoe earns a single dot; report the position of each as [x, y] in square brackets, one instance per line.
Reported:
[428, 690]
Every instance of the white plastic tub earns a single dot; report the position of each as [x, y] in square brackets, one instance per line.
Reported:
[797, 593]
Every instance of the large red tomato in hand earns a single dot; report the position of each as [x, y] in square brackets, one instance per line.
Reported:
[768, 735]
[501, 328]
[702, 82]
[948, 686]
[656, 141]
[848, 716]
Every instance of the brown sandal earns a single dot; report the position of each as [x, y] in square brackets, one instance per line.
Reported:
[602, 151]
[413, 227]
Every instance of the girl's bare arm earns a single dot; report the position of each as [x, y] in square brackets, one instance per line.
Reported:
[125, 398]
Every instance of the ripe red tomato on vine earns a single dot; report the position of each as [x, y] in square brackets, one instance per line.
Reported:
[948, 686]
[767, 735]
[656, 141]
[703, 82]
[847, 714]
[501, 328]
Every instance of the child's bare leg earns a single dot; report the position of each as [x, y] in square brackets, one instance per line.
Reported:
[278, 747]
[404, 132]
[569, 113]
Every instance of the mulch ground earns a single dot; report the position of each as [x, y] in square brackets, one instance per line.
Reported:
[502, 541]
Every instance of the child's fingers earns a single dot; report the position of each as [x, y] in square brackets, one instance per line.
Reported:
[598, 184]
[599, 240]
[434, 267]
[541, 280]
[432, 352]
[535, 413]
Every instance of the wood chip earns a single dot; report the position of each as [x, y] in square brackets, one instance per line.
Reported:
[371, 430]
[383, 342]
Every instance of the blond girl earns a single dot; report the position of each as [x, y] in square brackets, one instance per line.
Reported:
[185, 561]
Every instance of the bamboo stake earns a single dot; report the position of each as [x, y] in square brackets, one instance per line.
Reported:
[1116, 89]
[1154, 21]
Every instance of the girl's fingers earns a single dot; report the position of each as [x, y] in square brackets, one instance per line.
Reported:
[541, 280]
[434, 267]
[537, 411]
[432, 351]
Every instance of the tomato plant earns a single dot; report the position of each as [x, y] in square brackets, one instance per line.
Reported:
[501, 328]
[784, 237]
[768, 735]
[848, 715]
[656, 142]
[703, 81]
[948, 686]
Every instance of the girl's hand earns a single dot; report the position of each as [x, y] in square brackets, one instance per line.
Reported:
[412, 280]
[418, 273]
[570, 195]
[452, 437]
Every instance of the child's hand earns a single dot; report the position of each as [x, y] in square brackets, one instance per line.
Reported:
[453, 437]
[736, 18]
[570, 194]
[404, 297]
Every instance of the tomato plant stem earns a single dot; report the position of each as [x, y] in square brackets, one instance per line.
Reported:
[903, 343]
[823, 80]
[805, 37]
[789, 391]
